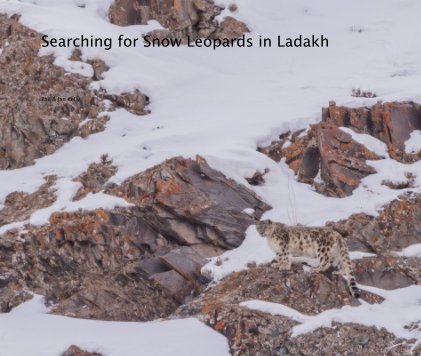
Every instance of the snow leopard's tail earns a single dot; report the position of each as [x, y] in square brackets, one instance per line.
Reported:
[347, 268]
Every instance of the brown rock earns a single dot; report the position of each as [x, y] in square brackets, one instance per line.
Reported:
[136, 263]
[133, 102]
[191, 203]
[347, 339]
[19, 206]
[385, 272]
[326, 150]
[186, 261]
[390, 122]
[252, 332]
[42, 106]
[230, 28]
[193, 18]
[174, 283]
[397, 226]
[95, 177]
[342, 161]
[74, 350]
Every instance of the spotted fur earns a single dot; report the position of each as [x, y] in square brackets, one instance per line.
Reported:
[315, 242]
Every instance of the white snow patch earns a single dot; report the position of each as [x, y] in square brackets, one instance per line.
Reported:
[357, 255]
[254, 249]
[400, 308]
[411, 251]
[370, 142]
[30, 330]
[413, 144]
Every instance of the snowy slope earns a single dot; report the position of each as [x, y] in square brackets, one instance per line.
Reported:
[221, 104]
[29, 330]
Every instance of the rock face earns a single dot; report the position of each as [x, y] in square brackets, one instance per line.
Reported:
[331, 160]
[391, 123]
[182, 18]
[397, 226]
[328, 152]
[135, 263]
[42, 106]
[192, 203]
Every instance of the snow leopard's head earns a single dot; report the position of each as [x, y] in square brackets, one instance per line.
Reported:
[265, 227]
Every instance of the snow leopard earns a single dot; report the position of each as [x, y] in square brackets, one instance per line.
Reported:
[323, 243]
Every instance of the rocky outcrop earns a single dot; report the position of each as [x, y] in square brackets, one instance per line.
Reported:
[397, 226]
[135, 263]
[93, 180]
[348, 339]
[182, 18]
[252, 332]
[77, 351]
[192, 203]
[19, 206]
[331, 160]
[41, 106]
[326, 157]
[391, 123]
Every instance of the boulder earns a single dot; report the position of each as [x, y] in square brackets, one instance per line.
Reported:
[397, 226]
[326, 152]
[181, 18]
[74, 350]
[390, 122]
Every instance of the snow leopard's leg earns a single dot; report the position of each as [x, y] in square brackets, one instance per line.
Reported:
[346, 265]
[282, 261]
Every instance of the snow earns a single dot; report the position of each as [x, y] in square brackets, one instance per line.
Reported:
[411, 251]
[222, 104]
[413, 144]
[372, 143]
[29, 330]
[404, 302]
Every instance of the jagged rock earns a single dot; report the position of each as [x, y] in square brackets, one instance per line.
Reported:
[74, 350]
[99, 68]
[193, 18]
[133, 102]
[41, 106]
[326, 150]
[387, 272]
[139, 262]
[33, 122]
[257, 178]
[12, 294]
[397, 226]
[390, 122]
[230, 28]
[192, 203]
[19, 206]
[95, 177]
[342, 162]
[347, 339]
